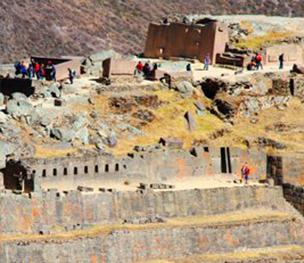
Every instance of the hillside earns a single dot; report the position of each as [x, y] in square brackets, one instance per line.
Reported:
[80, 27]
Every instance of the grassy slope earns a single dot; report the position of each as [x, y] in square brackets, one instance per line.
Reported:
[82, 26]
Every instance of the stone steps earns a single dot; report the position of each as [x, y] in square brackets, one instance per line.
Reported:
[276, 254]
[176, 238]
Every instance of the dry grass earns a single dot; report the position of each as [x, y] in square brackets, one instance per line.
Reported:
[249, 216]
[170, 122]
[269, 38]
[247, 25]
[244, 129]
[44, 152]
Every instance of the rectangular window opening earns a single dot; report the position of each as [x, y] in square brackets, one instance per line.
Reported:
[223, 160]
[117, 167]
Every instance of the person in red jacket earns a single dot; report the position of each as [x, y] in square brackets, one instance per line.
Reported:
[258, 61]
[245, 171]
[139, 67]
[37, 70]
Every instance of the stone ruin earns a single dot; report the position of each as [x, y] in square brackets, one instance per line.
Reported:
[161, 202]
[108, 224]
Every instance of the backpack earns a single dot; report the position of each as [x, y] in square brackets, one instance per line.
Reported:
[259, 58]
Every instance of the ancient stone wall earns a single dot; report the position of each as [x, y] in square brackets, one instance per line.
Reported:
[149, 166]
[295, 195]
[155, 243]
[48, 211]
[289, 171]
[293, 54]
[184, 40]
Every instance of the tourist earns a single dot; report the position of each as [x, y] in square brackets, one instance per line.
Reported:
[153, 72]
[30, 71]
[165, 21]
[188, 67]
[23, 69]
[17, 68]
[72, 75]
[206, 62]
[37, 70]
[251, 66]
[166, 79]
[245, 172]
[139, 68]
[258, 61]
[147, 70]
[53, 72]
[281, 61]
[42, 73]
[50, 71]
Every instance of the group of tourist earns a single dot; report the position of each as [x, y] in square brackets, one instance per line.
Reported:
[146, 70]
[35, 70]
[257, 59]
[256, 62]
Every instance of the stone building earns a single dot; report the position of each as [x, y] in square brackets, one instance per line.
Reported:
[194, 41]
[293, 54]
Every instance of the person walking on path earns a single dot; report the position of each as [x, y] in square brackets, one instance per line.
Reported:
[72, 75]
[206, 62]
[281, 61]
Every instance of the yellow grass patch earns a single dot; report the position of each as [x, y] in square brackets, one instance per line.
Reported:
[278, 252]
[257, 42]
[170, 122]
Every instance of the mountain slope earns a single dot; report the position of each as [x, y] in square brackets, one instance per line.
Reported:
[77, 27]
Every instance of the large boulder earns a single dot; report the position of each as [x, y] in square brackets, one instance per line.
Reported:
[83, 135]
[185, 87]
[111, 140]
[52, 91]
[190, 121]
[250, 106]
[42, 116]
[18, 96]
[80, 122]
[225, 106]
[19, 108]
[5, 149]
[3, 117]
[63, 134]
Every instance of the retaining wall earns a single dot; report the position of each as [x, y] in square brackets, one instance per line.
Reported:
[295, 195]
[46, 211]
[288, 171]
[156, 243]
[148, 166]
